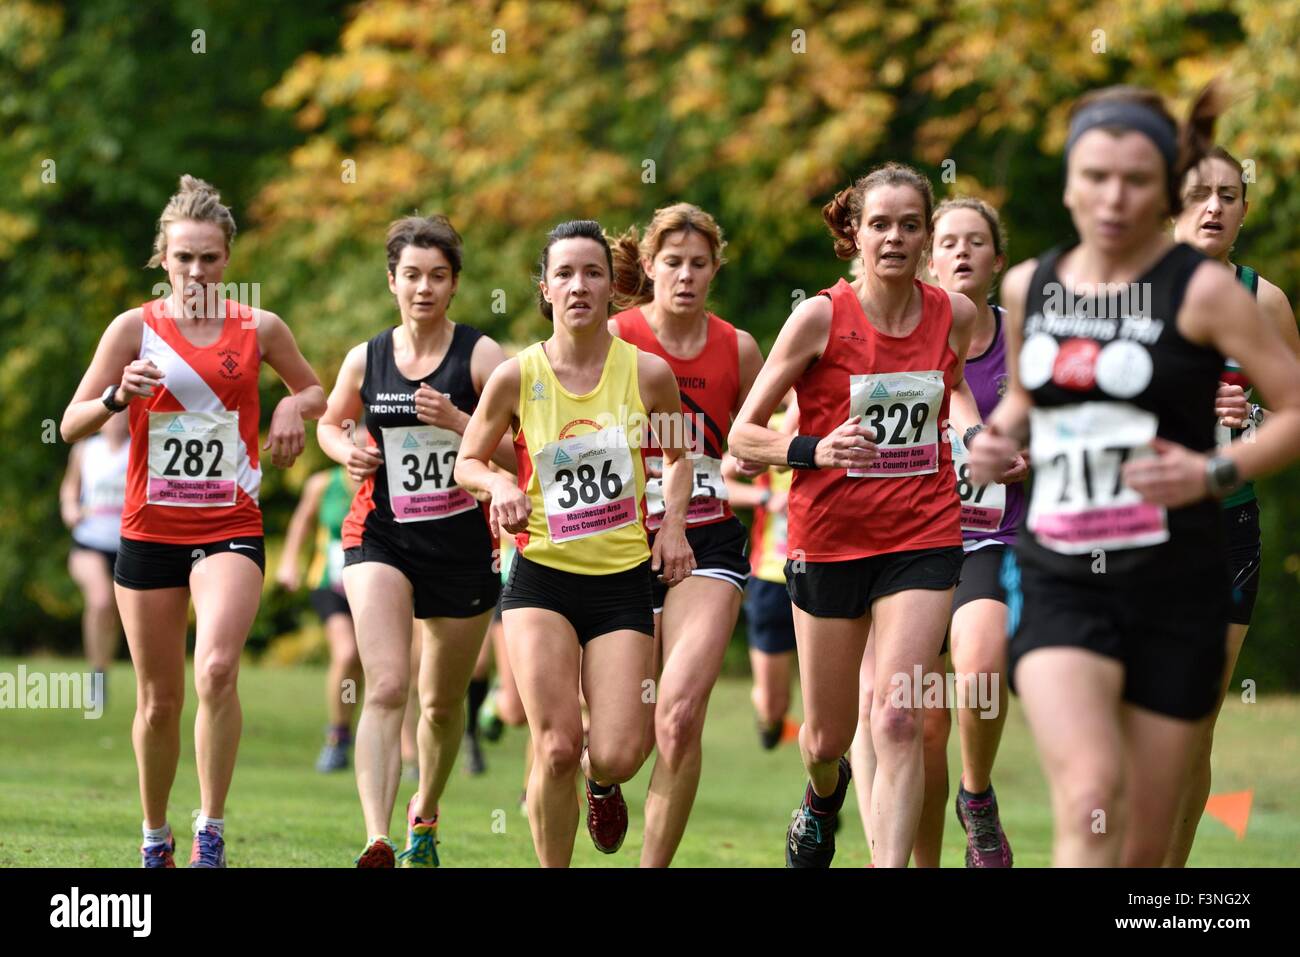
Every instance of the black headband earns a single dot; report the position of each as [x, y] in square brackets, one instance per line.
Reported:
[1130, 116]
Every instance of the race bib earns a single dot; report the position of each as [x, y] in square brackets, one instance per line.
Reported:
[588, 484]
[192, 459]
[707, 496]
[1079, 500]
[902, 408]
[420, 461]
[982, 506]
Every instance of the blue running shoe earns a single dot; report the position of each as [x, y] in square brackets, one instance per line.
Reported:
[159, 855]
[209, 849]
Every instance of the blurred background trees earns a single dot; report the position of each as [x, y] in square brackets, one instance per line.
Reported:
[320, 122]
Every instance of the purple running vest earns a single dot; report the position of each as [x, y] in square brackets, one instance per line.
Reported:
[987, 375]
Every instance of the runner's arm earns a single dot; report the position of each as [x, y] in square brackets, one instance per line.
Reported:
[659, 395]
[297, 535]
[799, 344]
[495, 416]
[118, 348]
[70, 489]
[336, 433]
[488, 354]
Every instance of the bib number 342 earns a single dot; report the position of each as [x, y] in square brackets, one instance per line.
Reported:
[1079, 500]
[192, 458]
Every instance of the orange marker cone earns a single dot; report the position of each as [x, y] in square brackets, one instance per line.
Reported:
[791, 730]
[1232, 809]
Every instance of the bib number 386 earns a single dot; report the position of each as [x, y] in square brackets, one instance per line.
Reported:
[588, 484]
[420, 461]
[1080, 501]
[192, 458]
[901, 409]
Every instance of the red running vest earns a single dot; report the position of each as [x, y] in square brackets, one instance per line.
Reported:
[709, 385]
[834, 517]
[216, 378]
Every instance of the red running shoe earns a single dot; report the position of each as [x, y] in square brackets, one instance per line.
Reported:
[378, 853]
[606, 819]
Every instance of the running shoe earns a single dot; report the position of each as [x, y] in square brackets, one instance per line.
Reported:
[378, 853]
[607, 819]
[421, 840]
[474, 763]
[159, 855]
[986, 844]
[333, 756]
[209, 849]
[810, 839]
[769, 738]
[490, 725]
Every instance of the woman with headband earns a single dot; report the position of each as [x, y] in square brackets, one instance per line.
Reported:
[1117, 589]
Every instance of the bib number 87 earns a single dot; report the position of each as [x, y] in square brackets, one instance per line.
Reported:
[432, 473]
[584, 486]
[193, 450]
[897, 413]
[967, 490]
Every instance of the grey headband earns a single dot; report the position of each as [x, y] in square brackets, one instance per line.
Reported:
[1129, 116]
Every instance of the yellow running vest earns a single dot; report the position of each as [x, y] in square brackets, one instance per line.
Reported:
[771, 545]
[580, 465]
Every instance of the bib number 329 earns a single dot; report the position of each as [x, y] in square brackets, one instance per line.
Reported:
[192, 458]
[420, 461]
[901, 409]
[588, 484]
[1080, 501]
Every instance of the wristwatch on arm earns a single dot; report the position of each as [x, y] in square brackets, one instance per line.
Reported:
[109, 398]
[1222, 477]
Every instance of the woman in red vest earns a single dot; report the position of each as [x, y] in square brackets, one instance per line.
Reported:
[186, 368]
[874, 520]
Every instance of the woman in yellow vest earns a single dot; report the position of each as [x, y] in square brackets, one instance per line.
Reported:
[577, 606]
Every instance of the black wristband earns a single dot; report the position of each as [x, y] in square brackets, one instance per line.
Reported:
[802, 453]
[973, 431]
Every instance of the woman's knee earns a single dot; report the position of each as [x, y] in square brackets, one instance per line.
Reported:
[678, 726]
[894, 724]
[216, 676]
[159, 707]
[1089, 799]
[825, 743]
[558, 752]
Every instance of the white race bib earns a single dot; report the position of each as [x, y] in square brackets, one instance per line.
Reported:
[982, 506]
[588, 484]
[1079, 500]
[903, 410]
[708, 493]
[193, 458]
[420, 461]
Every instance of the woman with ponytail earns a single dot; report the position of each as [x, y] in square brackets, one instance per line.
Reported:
[662, 281]
[873, 534]
[1117, 590]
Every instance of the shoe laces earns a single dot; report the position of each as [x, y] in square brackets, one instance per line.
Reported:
[210, 844]
[156, 855]
[982, 820]
[421, 845]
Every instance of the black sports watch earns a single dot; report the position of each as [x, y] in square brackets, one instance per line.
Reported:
[1221, 476]
[109, 398]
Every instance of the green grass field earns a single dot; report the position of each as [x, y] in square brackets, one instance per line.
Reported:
[68, 789]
